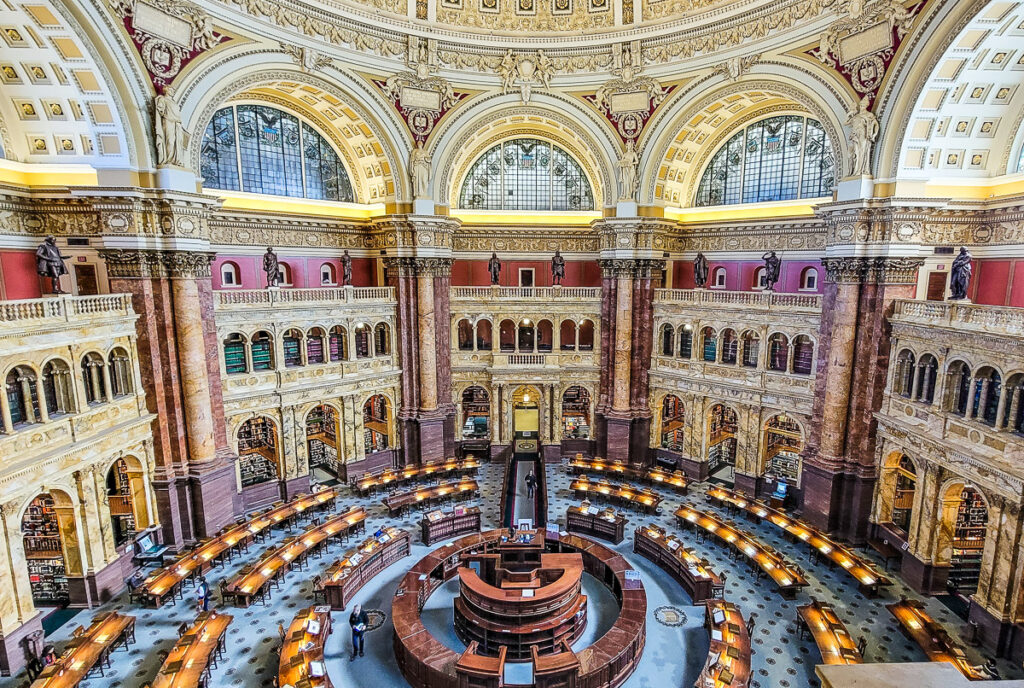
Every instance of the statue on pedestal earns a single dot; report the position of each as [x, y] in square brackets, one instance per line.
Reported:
[50, 263]
[419, 165]
[170, 134]
[627, 172]
[864, 130]
[494, 267]
[700, 270]
[272, 267]
[557, 268]
[346, 269]
[772, 268]
[960, 275]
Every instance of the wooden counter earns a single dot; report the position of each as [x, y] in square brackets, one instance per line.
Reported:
[675, 480]
[689, 570]
[297, 664]
[450, 525]
[829, 633]
[594, 522]
[644, 499]
[785, 575]
[424, 496]
[861, 568]
[189, 659]
[728, 663]
[347, 575]
[252, 580]
[401, 476]
[931, 637]
[165, 582]
[91, 649]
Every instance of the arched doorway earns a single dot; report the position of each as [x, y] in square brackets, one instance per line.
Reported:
[525, 413]
[903, 496]
[50, 540]
[783, 442]
[257, 452]
[322, 439]
[722, 428]
[961, 536]
[476, 413]
[376, 424]
[673, 421]
[126, 499]
[576, 413]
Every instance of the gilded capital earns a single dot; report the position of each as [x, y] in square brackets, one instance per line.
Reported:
[845, 270]
[148, 263]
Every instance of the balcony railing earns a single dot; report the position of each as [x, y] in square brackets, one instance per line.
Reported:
[761, 300]
[67, 308]
[540, 293]
[271, 298]
[991, 319]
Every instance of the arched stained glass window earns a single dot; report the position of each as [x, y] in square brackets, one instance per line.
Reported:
[272, 152]
[526, 174]
[775, 159]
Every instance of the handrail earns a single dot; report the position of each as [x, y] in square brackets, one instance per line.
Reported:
[545, 293]
[64, 308]
[740, 299]
[226, 298]
[992, 319]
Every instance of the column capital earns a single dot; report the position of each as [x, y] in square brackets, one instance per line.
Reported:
[429, 235]
[637, 268]
[847, 270]
[415, 267]
[894, 270]
[149, 263]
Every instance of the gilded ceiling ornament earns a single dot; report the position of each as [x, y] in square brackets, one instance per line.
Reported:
[525, 71]
[630, 99]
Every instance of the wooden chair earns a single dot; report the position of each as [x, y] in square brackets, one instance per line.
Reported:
[319, 592]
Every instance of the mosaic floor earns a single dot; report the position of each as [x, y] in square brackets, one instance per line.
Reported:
[676, 643]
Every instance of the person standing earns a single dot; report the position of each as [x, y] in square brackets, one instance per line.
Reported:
[531, 484]
[358, 621]
[203, 595]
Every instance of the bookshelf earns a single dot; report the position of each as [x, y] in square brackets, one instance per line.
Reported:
[262, 352]
[234, 355]
[903, 502]
[672, 423]
[968, 542]
[576, 413]
[119, 496]
[257, 451]
[315, 349]
[437, 526]
[782, 449]
[375, 424]
[321, 439]
[292, 351]
[46, 572]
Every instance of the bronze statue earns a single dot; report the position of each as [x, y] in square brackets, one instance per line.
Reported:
[50, 263]
[557, 268]
[700, 270]
[960, 275]
[346, 269]
[494, 266]
[772, 267]
[272, 267]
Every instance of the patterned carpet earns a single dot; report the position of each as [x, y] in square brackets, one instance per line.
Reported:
[676, 645]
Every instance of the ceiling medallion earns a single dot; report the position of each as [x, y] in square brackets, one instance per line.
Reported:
[861, 45]
[525, 71]
[167, 35]
[630, 99]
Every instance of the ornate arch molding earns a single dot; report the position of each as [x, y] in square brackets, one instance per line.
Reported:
[213, 89]
[829, 111]
[592, 144]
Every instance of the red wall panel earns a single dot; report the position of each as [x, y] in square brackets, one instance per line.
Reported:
[305, 271]
[18, 269]
[474, 273]
[992, 277]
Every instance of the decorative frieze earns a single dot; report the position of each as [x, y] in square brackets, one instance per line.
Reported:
[147, 263]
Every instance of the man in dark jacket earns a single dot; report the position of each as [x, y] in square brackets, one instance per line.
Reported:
[531, 484]
[358, 621]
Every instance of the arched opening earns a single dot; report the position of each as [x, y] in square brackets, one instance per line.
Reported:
[229, 275]
[92, 379]
[464, 332]
[381, 339]
[292, 343]
[126, 499]
[722, 427]
[22, 396]
[257, 451]
[525, 413]
[262, 351]
[545, 336]
[476, 413]
[730, 346]
[961, 536]
[760, 280]
[778, 352]
[803, 354]
[686, 341]
[927, 372]
[809, 279]
[575, 413]
[362, 337]
[322, 440]
[526, 337]
[483, 335]
[586, 336]
[507, 335]
[783, 442]
[709, 345]
[673, 422]
[376, 423]
[337, 344]
[315, 345]
[718, 278]
[1014, 413]
[988, 387]
[751, 349]
[286, 274]
[668, 338]
[958, 387]
[328, 275]
[567, 335]
[903, 493]
[50, 539]
[904, 375]
[119, 368]
[234, 354]
[58, 388]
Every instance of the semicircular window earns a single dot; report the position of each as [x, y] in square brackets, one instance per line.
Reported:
[271, 152]
[526, 174]
[775, 159]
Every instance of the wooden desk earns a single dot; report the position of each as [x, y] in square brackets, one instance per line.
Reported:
[667, 551]
[829, 633]
[251, 581]
[91, 649]
[449, 526]
[163, 583]
[675, 480]
[728, 661]
[931, 637]
[785, 575]
[861, 569]
[295, 664]
[595, 522]
[424, 496]
[398, 476]
[643, 499]
[190, 656]
[359, 565]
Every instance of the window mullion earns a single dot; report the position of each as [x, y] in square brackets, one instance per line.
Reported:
[803, 159]
[238, 148]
